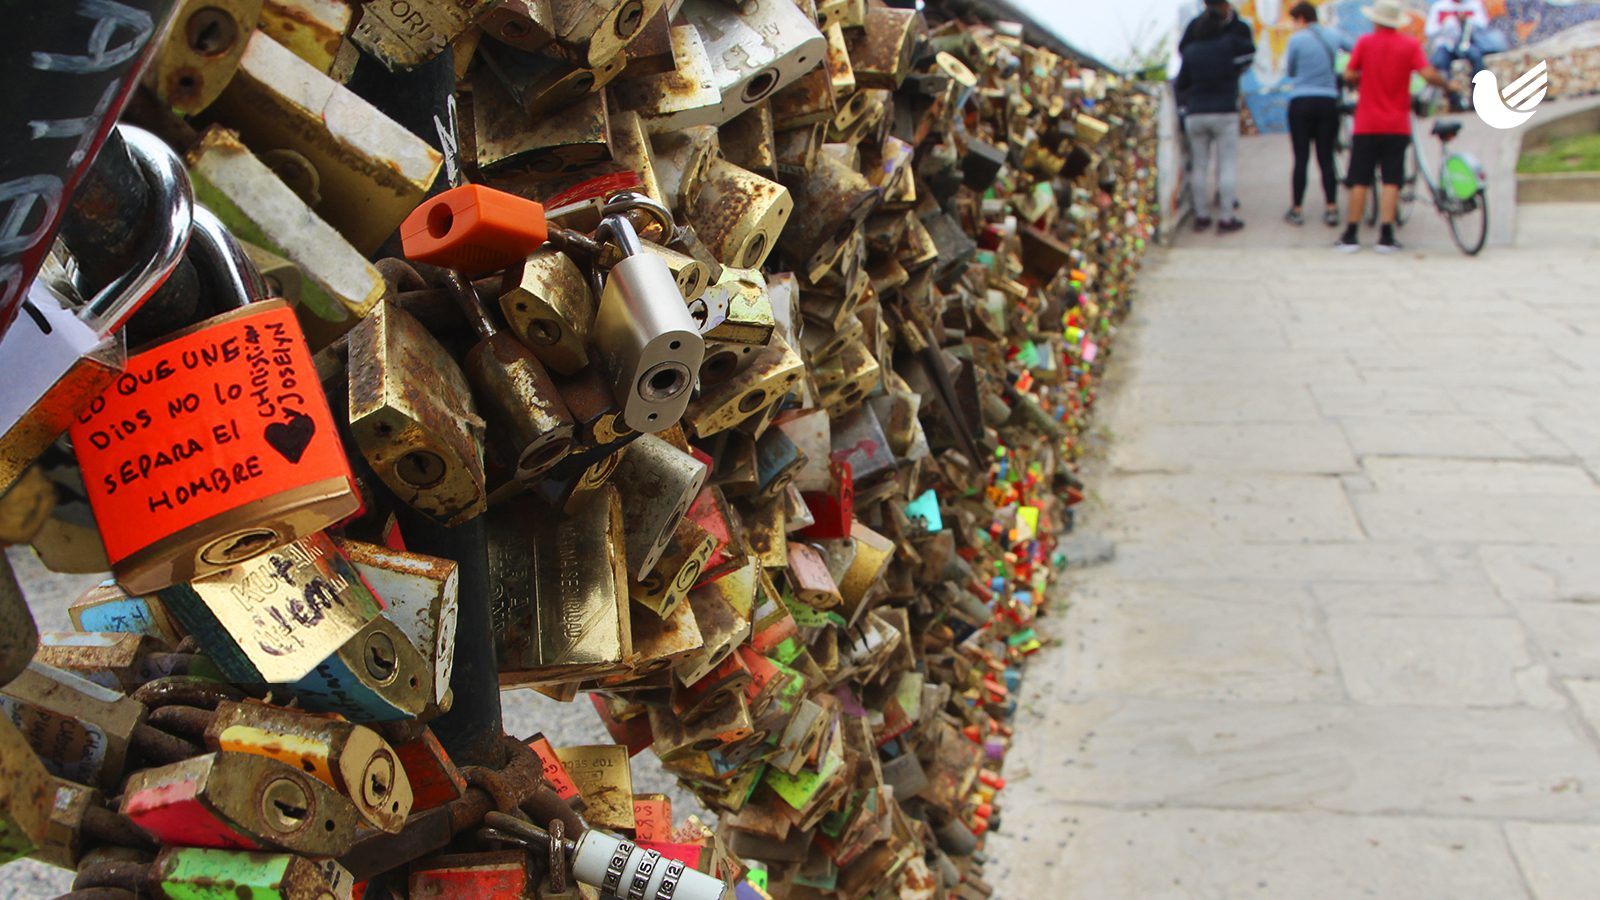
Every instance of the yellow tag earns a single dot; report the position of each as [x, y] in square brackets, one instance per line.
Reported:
[307, 755]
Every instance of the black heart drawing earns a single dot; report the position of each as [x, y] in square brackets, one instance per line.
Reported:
[292, 437]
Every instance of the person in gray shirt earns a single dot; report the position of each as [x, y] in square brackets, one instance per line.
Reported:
[1311, 64]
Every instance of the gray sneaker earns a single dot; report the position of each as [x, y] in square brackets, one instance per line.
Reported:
[1344, 246]
[1389, 246]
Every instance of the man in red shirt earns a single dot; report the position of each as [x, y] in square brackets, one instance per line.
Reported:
[1381, 65]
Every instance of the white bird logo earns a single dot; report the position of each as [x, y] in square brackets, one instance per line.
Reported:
[1514, 105]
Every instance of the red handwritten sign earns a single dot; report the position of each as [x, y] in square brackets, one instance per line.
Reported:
[224, 414]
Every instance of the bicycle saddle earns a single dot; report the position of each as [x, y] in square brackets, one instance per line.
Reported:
[1446, 130]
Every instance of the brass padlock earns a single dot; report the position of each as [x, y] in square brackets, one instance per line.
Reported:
[204, 873]
[82, 731]
[559, 144]
[832, 201]
[523, 24]
[27, 794]
[675, 572]
[661, 482]
[201, 53]
[537, 84]
[602, 775]
[684, 97]
[342, 286]
[421, 593]
[312, 30]
[524, 410]
[412, 416]
[881, 55]
[683, 157]
[559, 596]
[358, 169]
[240, 801]
[549, 307]
[739, 214]
[274, 618]
[589, 32]
[775, 371]
[351, 759]
[403, 35]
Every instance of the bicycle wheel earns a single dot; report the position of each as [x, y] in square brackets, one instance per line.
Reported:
[1408, 191]
[1469, 222]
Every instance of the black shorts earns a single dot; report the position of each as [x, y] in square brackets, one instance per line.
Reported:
[1368, 151]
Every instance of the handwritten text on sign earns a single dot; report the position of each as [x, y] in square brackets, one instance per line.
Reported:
[227, 414]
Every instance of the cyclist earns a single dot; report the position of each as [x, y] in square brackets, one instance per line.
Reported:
[1381, 65]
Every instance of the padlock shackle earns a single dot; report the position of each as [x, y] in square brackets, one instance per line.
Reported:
[224, 260]
[630, 201]
[618, 229]
[174, 217]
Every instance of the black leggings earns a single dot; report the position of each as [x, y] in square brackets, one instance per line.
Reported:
[1314, 119]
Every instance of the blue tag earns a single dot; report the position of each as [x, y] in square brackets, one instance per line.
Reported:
[924, 513]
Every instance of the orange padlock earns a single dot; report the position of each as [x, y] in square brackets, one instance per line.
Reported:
[473, 229]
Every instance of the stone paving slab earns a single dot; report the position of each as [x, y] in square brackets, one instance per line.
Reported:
[1349, 643]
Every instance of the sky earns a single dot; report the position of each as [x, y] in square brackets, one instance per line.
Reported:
[1105, 28]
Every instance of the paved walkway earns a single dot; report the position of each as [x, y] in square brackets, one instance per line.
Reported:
[1350, 642]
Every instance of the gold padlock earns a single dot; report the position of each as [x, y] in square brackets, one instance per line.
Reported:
[406, 34]
[775, 372]
[202, 52]
[313, 30]
[739, 214]
[412, 416]
[677, 570]
[549, 306]
[561, 144]
[747, 140]
[369, 173]
[684, 97]
[660, 481]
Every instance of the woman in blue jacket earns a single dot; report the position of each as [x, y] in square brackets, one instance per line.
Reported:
[1312, 68]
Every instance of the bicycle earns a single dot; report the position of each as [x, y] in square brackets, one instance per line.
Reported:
[1459, 191]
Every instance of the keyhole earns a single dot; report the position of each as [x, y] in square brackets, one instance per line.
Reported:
[239, 546]
[285, 804]
[380, 658]
[629, 20]
[420, 468]
[379, 780]
[211, 31]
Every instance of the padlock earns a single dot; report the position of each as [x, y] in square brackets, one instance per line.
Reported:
[405, 35]
[523, 408]
[434, 778]
[61, 358]
[683, 97]
[240, 801]
[557, 145]
[473, 229]
[523, 24]
[377, 675]
[675, 571]
[603, 777]
[661, 642]
[630, 146]
[276, 617]
[832, 201]
[25, 507]
[107, 607]
[775, 372]
[555, 774]
[538, 84]
[496, 873]
[810, 100]
[549, 307]
[199, 58]
[27, 794]
[683, 157]
[341, 285]
[748, 142]
[589, 32]
[312, 30]
[881, 55]
[202, 873]
[421, 596]
[413, 418]
[559, 596]
[356, 167]
[115, 661]
[661, 481]
[261, 468]
[351, 759]
[83, 731]
[739, 214]
[644, 337]
[19, 635]
[756, 49]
